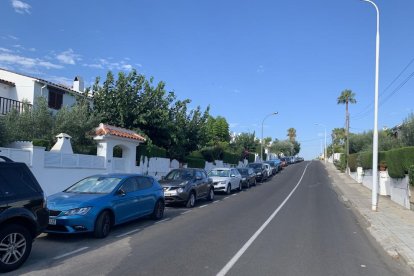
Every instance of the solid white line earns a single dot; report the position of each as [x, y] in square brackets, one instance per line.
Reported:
[236, 257]
[202, 206]
[127, 233]
[226, 197]
[161, 221]
[70, 253]
[215, 201]
[186, 212]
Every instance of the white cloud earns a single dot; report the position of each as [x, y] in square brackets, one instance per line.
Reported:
[4, 50]
[13, 59]
[68, 57]
[260, 69]
[20, 6]
[103, 63]
[60, 80]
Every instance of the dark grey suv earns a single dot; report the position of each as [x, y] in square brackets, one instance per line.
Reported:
[23, 213]
[186, 186]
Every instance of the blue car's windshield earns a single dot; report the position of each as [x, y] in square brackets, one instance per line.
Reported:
[94, 185]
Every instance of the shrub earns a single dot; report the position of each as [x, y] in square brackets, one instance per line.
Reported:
[411, 174]
[399, 161]
[231, 158]
[211, 154]
[352, 162]
[193, 162]
[149, 151]
[42, 143]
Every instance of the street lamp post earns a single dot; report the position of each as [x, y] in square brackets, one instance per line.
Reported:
[325, 152]
[261, 142]
[375, 135]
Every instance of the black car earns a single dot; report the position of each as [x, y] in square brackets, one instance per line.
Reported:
[248, 177]
[23, 213]
[274, 165]
[260, 170]
[186, 186]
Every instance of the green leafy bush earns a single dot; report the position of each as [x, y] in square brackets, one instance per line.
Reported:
[42, 143]
[150, 151]
[399, 161]
[193, 162]
[231, 158]
[352, 162]
[213, 153]
[411, 174]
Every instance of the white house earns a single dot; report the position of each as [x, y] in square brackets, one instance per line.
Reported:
[16, 87]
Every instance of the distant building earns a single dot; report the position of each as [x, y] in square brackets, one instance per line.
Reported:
[16, 87]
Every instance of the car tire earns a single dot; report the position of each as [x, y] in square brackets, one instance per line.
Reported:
[191, 200]
[102, 225]
[158, 212]
[228, 189]
[255, 182]
[240, 187]
[17, 239]
[248, 184]
[210, 196]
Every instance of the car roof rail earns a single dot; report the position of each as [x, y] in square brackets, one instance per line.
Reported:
[6, 158]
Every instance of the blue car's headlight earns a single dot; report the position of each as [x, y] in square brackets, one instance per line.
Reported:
[77, 211]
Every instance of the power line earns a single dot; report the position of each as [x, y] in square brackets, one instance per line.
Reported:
[369, 107]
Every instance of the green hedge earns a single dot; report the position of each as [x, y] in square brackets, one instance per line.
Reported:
[193, 162]
[150, 151]
[352, 162]
[411, 174]
[251, 157]
[42, 143]
[231, 158]
[398, 161]
[211, 154]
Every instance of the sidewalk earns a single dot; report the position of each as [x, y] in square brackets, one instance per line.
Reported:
[391, 226]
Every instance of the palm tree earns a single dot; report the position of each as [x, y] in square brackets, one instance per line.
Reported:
[346, 97]
[291, 134]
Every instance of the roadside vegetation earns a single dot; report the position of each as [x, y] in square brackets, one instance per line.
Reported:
[134, 102]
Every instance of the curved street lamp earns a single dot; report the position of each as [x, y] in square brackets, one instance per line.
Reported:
[261, 142]
[375, 135]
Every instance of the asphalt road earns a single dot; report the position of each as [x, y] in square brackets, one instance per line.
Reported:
[293, 224]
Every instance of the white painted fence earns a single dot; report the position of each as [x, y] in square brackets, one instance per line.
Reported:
[397, 189]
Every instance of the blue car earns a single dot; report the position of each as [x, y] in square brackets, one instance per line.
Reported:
[98, 202]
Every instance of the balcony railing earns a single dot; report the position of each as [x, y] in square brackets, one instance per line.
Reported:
[7, 105]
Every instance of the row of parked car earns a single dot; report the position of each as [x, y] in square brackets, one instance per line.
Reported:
[97, 203]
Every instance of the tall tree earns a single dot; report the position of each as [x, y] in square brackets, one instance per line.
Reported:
[347, 97]
[292, 134]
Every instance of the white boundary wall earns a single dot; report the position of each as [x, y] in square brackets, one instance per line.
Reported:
[396, 188]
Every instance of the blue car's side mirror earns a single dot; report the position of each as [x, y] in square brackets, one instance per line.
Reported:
[121, 192]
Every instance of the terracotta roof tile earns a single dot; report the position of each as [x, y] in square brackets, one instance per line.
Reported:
[117, 131]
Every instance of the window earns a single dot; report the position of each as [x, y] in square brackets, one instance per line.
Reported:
[55, 98]
[130, 185]
[144, 182]
[16, 182]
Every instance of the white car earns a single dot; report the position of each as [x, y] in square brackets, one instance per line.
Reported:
[268, 170]
[226, 179]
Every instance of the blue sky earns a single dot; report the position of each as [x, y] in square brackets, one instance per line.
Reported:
[246, 59]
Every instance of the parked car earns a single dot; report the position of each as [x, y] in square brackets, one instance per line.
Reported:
[248, 177]
[186, 186]
[275, 165]
[23, 213]
[226, 179]
[260, 170]
[96, 203]
[268, 170]
[284, 162]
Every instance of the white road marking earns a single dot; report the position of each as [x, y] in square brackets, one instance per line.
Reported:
[226, 197]
[236, 257]
[70, 253]
[127, 233]
[202, 206]
[186, 212]
[215, 201]
[234, 194]
[162, 221]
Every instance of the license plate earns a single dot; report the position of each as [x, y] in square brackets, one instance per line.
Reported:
[52, 221]
[167, 194]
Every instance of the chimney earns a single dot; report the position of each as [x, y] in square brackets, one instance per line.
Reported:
[78, 84]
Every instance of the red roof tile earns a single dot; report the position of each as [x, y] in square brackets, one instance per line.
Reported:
[117, 131]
